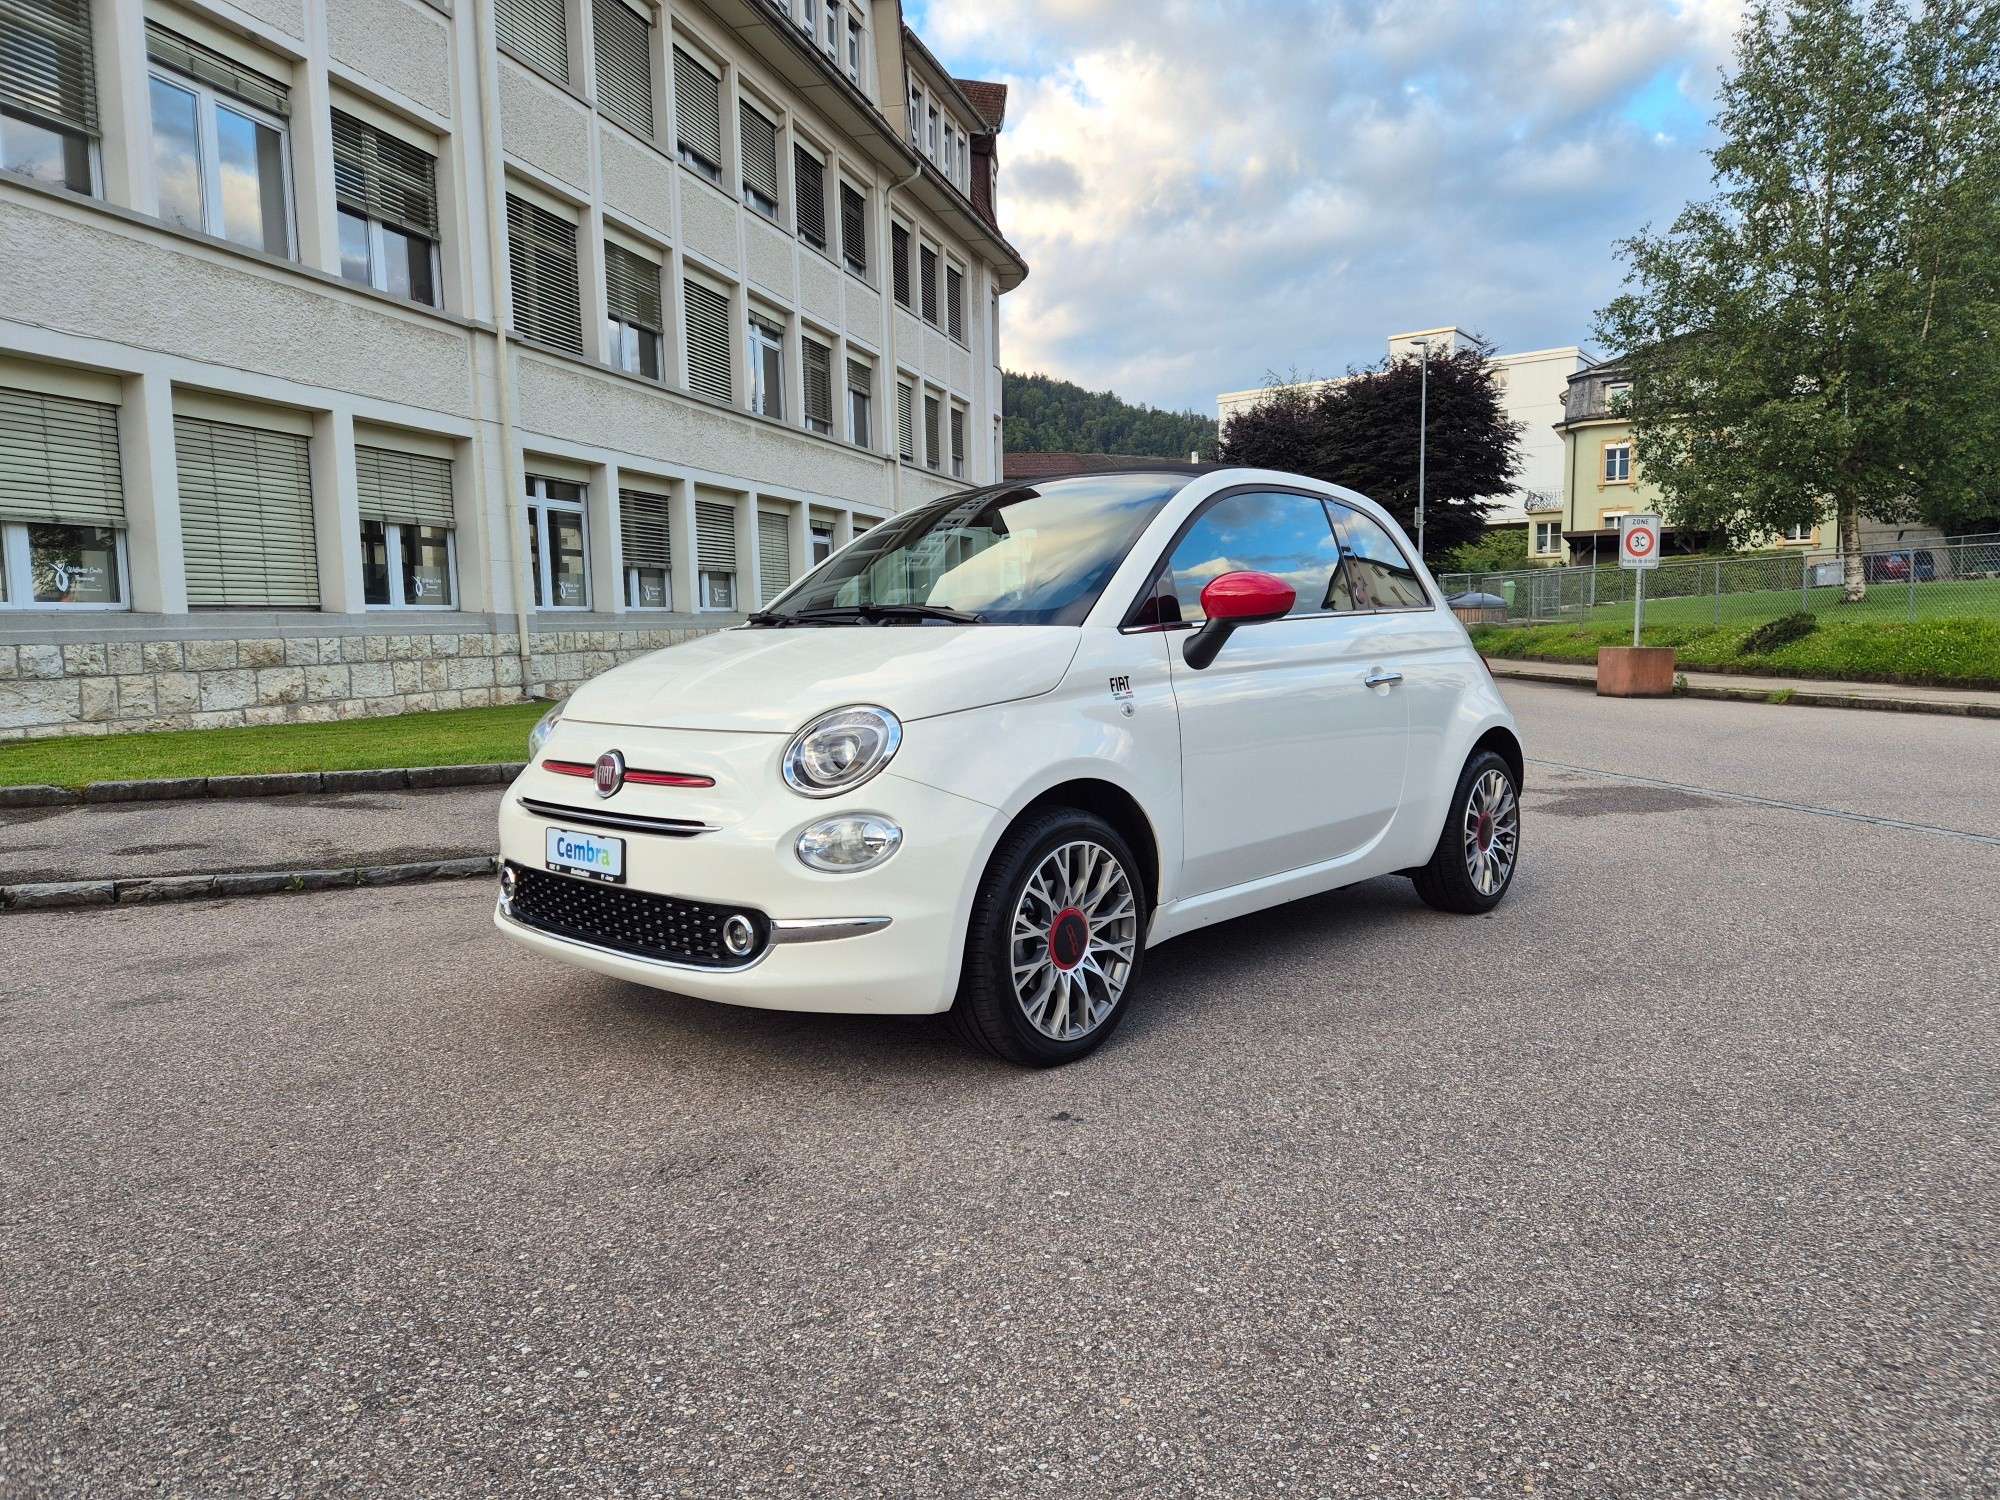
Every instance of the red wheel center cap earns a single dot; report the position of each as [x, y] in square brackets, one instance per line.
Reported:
[1069, 938]
[1485, 833]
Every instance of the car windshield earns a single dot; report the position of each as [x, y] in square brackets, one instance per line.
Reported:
[1008, 555]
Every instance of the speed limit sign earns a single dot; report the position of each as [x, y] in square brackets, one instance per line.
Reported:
[1639, 542]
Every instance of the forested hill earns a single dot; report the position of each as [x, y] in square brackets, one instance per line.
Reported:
[1046, 415]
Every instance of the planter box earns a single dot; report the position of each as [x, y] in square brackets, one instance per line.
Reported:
[1635, 671]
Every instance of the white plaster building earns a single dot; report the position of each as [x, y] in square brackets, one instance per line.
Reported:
[367, 355]
[1533, 388]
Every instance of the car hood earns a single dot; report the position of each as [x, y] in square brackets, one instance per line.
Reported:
[774, 680]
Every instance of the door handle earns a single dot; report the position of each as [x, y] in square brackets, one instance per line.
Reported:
[1381, 678]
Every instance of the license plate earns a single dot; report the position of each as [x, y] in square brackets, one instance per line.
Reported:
[590, 855]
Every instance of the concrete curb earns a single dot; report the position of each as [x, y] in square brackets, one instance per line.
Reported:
[46, 895]
[278, 784]
[1799, 697]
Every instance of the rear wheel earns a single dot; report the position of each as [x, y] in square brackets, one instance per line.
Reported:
[1055, 942]
[1473, 865]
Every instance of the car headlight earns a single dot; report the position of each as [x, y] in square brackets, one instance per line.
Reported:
[855, 841]
[838, 751]
[544, 726]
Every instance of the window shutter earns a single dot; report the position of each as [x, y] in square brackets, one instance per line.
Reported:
[384, 178]
[819, 385]
[853, 228]
[899, 262]
[47, 65]
[409, 489]
[774, 554]
[932, 446]
[927, 269]
[697, 111]
[760, 152]
[541, 262]
[211, 67]
[632, 287]
[860, 377]
[906, 443]
[954, 302]
[624, 65]
[59, 461]
[715, 537]
[644, 528]
[535, 32]
[957, 439]
[809, 196]
[246, 515]
[710, 370]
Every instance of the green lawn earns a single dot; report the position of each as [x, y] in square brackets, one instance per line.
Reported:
[1936, 652]
[457, 737]
[1944, 600]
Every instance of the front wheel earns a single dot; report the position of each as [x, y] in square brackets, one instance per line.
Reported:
[1474, 861]
[1055, 943]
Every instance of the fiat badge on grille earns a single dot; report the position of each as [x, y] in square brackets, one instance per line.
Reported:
[610, 774]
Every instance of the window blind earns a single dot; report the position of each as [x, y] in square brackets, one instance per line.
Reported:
[774, 554]
[47, 65]
[632, 287]
[853, 229]
[624, 65]
[927, 270]
[59, 461]
[710, 370]
[408, 489]
[535, 32]
[541, 263]
[246, 516]
[760, 152]
[382, 177]
[899, 262]
[645, 529]
[819, 385]
[958, 440]
[906, 441]
[932, 447]
[809, 196]
[211, 67]
[715, 537]
[860, 377]
[954, 302]
[697, 111]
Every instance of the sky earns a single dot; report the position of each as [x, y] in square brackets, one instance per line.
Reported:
[1205, 192]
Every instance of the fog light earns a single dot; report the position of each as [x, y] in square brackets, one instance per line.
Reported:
[738, 936]
[509, 883]
[853, 841]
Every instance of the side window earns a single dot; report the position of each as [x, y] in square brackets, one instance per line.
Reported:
[1379, 576]
[1281, 534]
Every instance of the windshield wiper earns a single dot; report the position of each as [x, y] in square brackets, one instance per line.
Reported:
[868, 614]
[885, 612]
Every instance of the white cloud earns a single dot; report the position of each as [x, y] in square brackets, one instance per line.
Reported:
[1208, 191]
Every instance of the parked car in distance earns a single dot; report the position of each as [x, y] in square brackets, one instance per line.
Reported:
[985, 756]
[1894, 567]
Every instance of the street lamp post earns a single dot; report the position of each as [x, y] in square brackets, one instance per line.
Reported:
[1423, 429]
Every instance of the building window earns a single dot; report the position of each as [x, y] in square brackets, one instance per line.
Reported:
[854, 230]
[860, 398]
[62, 503]
[958, 442]
[1800, 533]
[906, 438]
[710, 370]
[386, 190]
[821, 536]
[1617, 463]
[808, 20]
[774, 554]
[556, 544]
[899, 262]
[645, 529]
[931, 132]
[541, 266]
[760, 161]
[698, 115]
[1548, 538]
[916, 116]
[933, 455]
[927, 268]
[1616, 393]
[219, 145]
[830, 38]
[818, 363]
[715, 554]
[767, 368]
[535, 32]
[854, 49]
[624, 43]
[954, 302]
[407, 518]
[246, 516]
[809, 196]
[48, 92]
[633, 321]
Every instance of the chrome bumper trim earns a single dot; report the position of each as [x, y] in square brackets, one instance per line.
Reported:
[822, 929]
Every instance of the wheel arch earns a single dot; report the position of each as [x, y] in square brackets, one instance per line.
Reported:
[1503, 742]
[1119, 808]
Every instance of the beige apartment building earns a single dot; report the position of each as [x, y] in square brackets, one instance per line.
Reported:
[359, 356]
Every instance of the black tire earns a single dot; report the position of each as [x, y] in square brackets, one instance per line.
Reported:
[989, 1011]
[1452, 880]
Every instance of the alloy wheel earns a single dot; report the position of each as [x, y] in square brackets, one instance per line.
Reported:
[1492, 832]
[1075, 930]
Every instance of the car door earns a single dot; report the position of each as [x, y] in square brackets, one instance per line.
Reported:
[1293, 739]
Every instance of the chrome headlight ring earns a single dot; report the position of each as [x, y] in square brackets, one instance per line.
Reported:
[841, 750]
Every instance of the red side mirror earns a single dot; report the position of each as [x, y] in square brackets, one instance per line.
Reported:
[1247, 597]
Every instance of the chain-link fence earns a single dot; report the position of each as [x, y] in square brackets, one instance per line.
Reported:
[1957, 577]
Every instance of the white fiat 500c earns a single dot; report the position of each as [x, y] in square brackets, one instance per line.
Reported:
[985, 756]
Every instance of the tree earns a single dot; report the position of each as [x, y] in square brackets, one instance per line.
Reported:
[1824, 333]
[1499, 551]
[1046, 415]
[1361, 431]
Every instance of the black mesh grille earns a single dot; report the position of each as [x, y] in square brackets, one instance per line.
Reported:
[629, 921]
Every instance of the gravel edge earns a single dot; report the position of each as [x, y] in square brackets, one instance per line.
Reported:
[48, 895]
[1801, 697]
[275, 784]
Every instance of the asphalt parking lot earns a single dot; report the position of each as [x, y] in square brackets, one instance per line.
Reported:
[1674, 1177]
